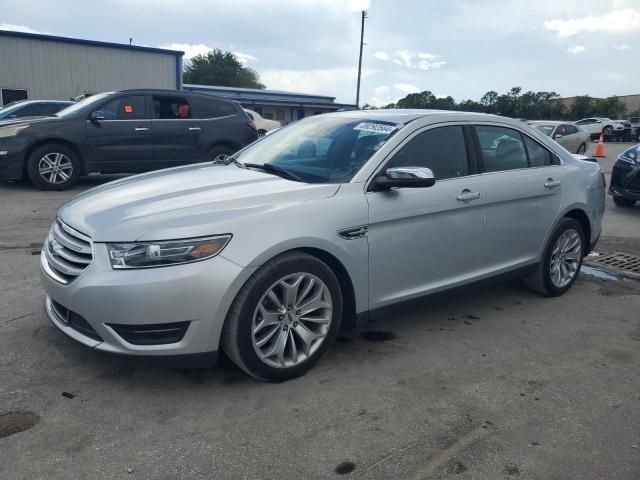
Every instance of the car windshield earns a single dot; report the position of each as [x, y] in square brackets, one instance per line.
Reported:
[82, 106]
[546, 129]
[10, 109]
[321, 149]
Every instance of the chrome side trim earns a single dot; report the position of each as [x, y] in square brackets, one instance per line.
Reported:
[353, 233]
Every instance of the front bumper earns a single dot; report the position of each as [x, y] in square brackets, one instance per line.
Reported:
[625, 180]
[199, 293]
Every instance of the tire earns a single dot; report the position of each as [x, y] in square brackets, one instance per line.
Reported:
[582, 149]
[608, 130]
[239, 340]
[219, 152]
[540, 280]
[42, 163]
[262, 132]
[624, 202]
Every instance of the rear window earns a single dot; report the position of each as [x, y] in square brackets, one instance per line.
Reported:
[211, 108]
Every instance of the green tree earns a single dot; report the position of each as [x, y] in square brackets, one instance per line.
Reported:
[222, 69]
[610, 107]
[581, 107]
[489, 101]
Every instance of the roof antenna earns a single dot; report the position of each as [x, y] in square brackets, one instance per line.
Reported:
[130, 41]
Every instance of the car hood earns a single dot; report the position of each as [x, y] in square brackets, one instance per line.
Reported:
[5, 122]
[183, 202]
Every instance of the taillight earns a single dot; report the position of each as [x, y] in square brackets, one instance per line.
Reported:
[253, 125]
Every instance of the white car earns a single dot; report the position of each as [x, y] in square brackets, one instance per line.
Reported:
[263, 125]
[597, 125]
[573, 138]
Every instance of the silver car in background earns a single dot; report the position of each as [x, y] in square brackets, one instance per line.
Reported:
[320, 224]
[573, 138]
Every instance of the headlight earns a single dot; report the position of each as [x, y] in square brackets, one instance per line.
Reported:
[12, 131]
[630, 156]
[161, 254]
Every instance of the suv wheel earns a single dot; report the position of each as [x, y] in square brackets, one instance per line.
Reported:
[53, 167]
[219, 153]
[561, 260]
[624, 202]
[284, 318]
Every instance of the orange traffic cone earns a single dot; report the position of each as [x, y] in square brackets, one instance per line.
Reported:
[600, 148]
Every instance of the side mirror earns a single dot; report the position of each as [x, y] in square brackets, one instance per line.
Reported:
[96, 116]
[404, 177]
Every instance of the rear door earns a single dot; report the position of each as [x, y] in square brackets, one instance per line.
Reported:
[120, 139]
[424, 239]
[572, 137]
[524, 182]
[177, 133]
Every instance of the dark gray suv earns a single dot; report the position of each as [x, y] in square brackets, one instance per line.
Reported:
[130, 131]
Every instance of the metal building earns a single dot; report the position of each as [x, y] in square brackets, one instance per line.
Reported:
[275, 104]
[38, 66]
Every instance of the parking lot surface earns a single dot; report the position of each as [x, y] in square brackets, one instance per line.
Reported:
[488, 382]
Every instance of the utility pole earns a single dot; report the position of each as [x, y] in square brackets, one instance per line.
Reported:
[364, 15]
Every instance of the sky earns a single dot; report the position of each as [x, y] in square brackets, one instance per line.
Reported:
[461, 48]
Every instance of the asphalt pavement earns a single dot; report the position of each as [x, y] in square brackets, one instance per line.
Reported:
[491, 382]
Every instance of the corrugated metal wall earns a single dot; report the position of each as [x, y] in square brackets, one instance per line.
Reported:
[59, 70]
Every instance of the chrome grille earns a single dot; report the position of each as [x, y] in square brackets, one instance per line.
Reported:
[66, 252]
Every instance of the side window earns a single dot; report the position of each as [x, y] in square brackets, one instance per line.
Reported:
[441, 149]
[211, 108]
[124, 108]
[501, 148]
[28, 110]
[171, 108]
[538, 155]
[561, 130]
[571, 129]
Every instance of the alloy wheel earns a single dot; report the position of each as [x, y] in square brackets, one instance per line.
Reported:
[55, 168]
[291, 320]
[565, 258]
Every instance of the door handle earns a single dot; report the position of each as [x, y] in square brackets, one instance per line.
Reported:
[551, 183]
[467, 195]
[141, 129]
[194, 129]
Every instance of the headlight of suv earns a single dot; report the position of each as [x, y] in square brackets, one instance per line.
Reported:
[12, 131]
[165, 253]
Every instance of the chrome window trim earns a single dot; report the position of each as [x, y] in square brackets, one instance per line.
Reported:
[410, 136]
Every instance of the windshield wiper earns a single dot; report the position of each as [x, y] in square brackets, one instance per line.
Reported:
[271, 168]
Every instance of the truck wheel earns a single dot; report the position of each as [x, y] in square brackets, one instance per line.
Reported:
[53, 167]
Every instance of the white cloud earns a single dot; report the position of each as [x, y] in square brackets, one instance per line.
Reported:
[190, 50]
[382, 56]
[577, 50]
[406, 88]
[330, 81]
[420, 60]
[18, 28]
[622, 46]
[625, 20]
[244, 57]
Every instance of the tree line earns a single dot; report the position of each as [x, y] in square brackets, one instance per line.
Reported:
[518, 104]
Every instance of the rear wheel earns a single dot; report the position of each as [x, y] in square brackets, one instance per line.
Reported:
[582, 148]
[284, 318]
[624, 202]
[561, 260]
[53, 167]
[220, 153]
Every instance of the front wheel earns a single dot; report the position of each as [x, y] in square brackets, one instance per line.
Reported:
[624, 202]
[53, 167]
[284, 318]
[561, 260]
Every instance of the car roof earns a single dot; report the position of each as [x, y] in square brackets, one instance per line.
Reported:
[547, 122]
[162, 91]
[401, 115]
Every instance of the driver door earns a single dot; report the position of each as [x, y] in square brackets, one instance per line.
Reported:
[425, 239]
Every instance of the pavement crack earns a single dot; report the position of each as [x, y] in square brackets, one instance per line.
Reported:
[18, 318]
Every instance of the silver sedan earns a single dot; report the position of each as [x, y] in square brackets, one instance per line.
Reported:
[572, 137]
[267, 254]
